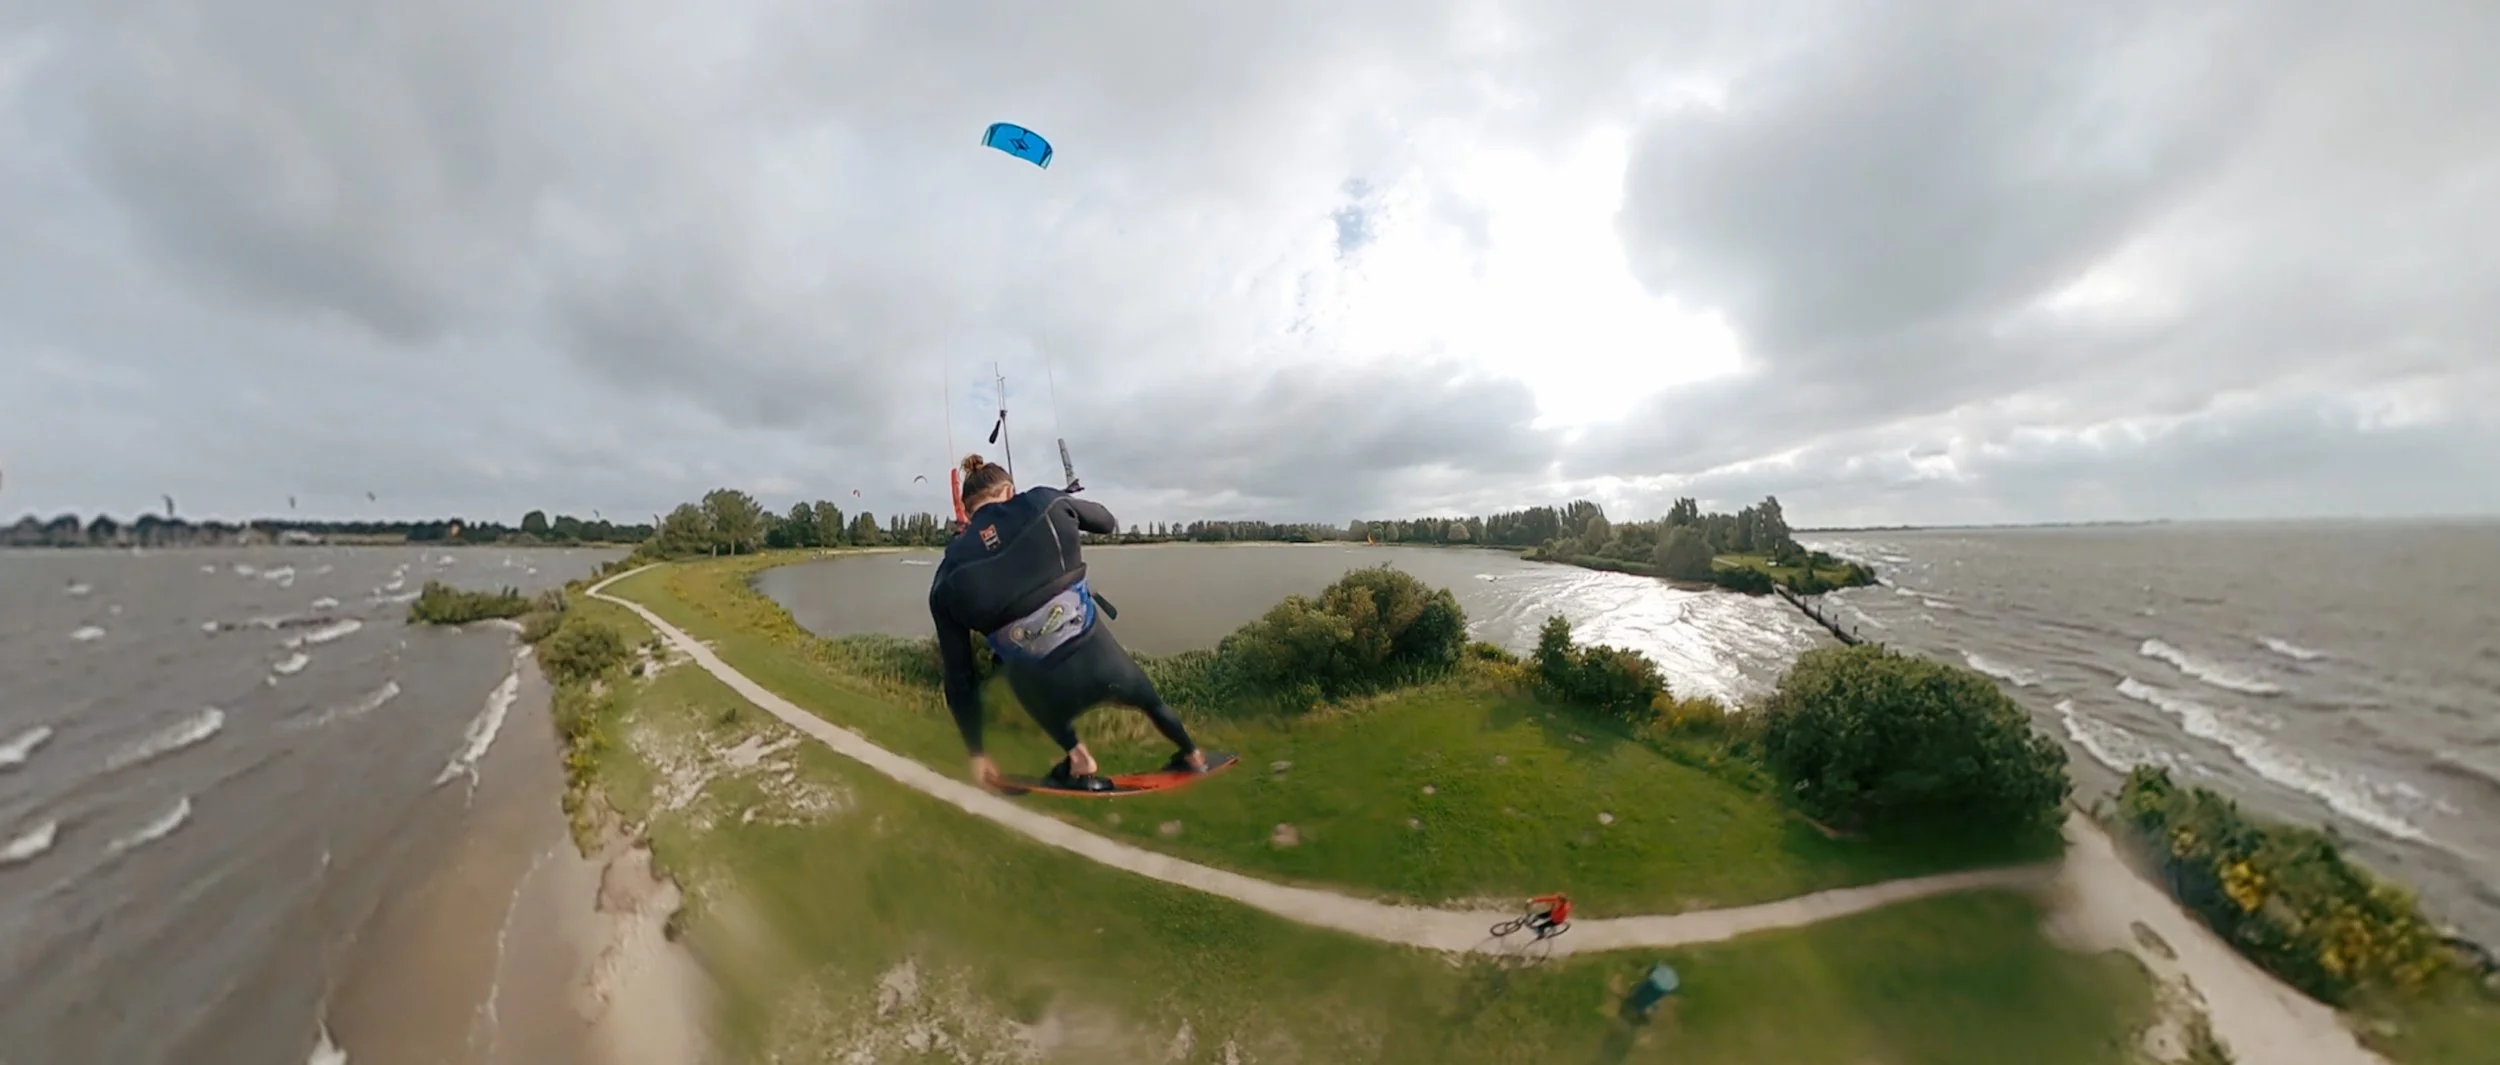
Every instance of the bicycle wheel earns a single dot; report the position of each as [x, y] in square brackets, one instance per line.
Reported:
[1509, 926]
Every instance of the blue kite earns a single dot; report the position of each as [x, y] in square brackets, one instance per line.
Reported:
[1018, 141]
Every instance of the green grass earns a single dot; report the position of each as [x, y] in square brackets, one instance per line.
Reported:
[1759, 563]
[1100, 965]
[2457, 1024]
[1518, 784]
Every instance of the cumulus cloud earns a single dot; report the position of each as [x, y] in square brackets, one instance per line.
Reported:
[1293, 260]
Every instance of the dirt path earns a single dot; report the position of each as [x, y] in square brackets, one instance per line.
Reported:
[1448, 930]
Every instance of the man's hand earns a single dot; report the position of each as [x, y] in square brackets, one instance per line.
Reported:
[985, 771]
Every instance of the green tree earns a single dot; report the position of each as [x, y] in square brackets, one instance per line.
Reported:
[864, 530]
[686, 531]
[1864, 735]
[737, 519]
[800, 526]
[1683, 554]
[534, 523]
[830, 531]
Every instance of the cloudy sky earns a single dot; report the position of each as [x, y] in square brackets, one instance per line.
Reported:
[1894, 263]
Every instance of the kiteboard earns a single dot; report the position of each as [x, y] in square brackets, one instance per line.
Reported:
[1124, 783]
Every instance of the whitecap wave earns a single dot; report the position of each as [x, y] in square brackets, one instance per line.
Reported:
[481, 733]
[2014, 675]
[2291, 650]
[282, 574]
[191, 730]
[2111, 744]
[88, 633]
[2218, 674]
[324, 603]
[28, 845]
[245, 569]
[326, 1052]
[335, 629]
[916, 562]
[2371, 802]
[291, 664]
[22, 746]
[162, 826]
[78, 589]
[359, 707]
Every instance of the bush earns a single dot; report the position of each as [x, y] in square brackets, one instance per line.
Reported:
[2283, 895]
[1699, 716]
[540, 624]
[1743, 579]
[1862, 735]
[1620, 683]
[1374, 628]
[441, 604]
[581, 650]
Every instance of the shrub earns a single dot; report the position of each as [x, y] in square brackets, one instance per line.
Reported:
[1863, 735]
[580, 650]
[1374, 628]
[1621, 683]
[1700, 716]
[441, 604]
[1744, 579]
[540, 624]
[2283, 895]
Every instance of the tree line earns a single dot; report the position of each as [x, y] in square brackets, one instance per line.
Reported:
[1686, 543]
[727, 521]
[152, 530]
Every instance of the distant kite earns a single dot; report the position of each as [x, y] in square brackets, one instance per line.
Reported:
[290, 502]
[920, 478]
[169, 506]
[1018, 141]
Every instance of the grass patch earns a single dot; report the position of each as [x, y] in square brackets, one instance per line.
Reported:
[1761, 564]
[1518, 784]
[901, 928]
[441, 604]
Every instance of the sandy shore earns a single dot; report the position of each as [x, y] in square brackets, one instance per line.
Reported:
[518, 949]
[2099, 903]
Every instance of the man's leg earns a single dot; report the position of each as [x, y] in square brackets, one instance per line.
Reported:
[1047, 700]
[1129, 684]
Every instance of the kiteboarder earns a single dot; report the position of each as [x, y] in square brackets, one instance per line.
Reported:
[1016, 575]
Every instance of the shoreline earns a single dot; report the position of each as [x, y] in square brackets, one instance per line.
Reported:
[518, 948]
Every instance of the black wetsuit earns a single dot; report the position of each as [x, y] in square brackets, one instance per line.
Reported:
[1015, 575]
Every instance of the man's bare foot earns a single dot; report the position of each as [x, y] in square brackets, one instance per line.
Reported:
[1081, 762]
[1197, 760]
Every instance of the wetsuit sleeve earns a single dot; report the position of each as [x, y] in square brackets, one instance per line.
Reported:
[1093, 517]
[963, 693]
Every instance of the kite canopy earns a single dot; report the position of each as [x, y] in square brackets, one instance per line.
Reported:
[1018, 141]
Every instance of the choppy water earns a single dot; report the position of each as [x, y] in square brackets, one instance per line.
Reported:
[1175, 597]
[215, 767]
[2337, 674]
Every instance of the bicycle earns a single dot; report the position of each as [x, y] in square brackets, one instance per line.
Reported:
[1524, 920]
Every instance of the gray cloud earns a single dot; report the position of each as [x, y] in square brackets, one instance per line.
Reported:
[482, 258]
